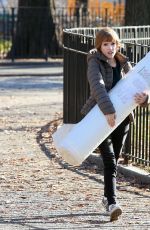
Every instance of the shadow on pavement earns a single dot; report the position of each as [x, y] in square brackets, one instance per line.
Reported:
[78, 169]
[50, 155]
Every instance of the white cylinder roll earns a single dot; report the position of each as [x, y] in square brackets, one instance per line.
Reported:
[86, 135]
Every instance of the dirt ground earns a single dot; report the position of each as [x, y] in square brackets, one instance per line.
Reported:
[38, 189]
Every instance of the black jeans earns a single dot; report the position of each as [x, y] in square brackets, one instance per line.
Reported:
[110, 150]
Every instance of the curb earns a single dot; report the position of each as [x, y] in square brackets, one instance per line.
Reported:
[28, 62]
[140, 175]
[31, 74]
[31, 69]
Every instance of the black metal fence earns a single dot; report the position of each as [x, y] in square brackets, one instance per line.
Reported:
[76, 91]
[62, 18]
[135, 34]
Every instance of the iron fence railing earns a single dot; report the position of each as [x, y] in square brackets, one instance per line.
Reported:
[136, 34]
[64, 17]
[67, 18]
[76, 90]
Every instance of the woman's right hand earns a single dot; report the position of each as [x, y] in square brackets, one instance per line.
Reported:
[140, 98]
[111, 119]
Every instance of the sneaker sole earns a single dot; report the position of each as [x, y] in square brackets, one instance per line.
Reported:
[114, 216]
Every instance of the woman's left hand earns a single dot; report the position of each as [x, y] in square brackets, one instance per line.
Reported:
[140, 98]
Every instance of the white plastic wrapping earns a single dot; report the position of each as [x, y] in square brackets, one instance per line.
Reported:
[80, 141]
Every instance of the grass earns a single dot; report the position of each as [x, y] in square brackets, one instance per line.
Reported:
[5, 46]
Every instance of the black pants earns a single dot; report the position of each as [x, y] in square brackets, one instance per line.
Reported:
[110, 150]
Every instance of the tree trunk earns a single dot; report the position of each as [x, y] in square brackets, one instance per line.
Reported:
[137, 12]
[81, 12]
[35, 31]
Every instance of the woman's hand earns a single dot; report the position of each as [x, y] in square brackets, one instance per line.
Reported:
[140, 98]
[111, 119]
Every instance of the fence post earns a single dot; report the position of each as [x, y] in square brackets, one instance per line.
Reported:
[106, 17]
[12, 31]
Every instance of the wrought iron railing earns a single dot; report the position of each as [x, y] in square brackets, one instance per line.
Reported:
[65, 18]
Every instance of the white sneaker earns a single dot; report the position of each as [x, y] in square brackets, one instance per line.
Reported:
[114, 211]
[105, 203]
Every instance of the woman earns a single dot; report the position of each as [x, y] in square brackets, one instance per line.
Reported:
[106, 66]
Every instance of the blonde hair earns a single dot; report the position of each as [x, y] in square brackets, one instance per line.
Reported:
[106, 34]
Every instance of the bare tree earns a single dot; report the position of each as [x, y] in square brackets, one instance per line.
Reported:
[81, 11]
[137, 12]
[35, 30]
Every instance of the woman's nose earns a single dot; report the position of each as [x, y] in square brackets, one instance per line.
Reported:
[110, 47]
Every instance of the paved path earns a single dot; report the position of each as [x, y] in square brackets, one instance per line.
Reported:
[38, 190]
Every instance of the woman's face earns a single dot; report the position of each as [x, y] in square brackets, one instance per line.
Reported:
[109, 49]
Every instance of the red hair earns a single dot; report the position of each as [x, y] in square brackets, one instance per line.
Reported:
[106, 34]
